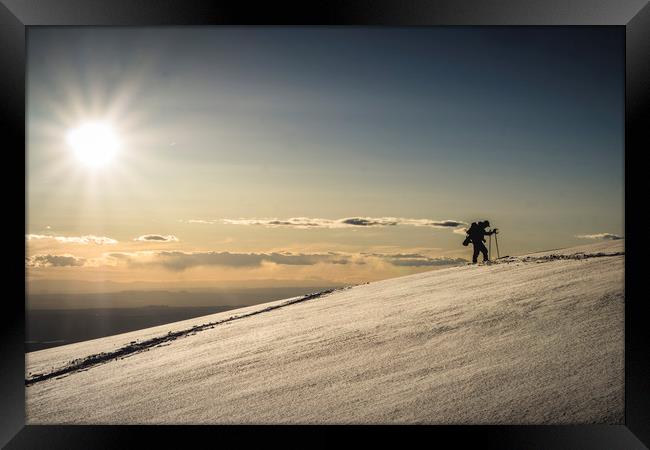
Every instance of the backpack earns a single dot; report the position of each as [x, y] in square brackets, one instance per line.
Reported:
[469, 231]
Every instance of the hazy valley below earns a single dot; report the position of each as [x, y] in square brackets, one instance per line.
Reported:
[53, 320]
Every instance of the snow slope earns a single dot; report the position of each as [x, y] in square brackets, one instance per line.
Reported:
[535, 339]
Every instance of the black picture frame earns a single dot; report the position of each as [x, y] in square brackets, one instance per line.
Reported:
[17, 15]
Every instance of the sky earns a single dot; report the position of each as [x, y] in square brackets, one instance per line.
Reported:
[240, 156]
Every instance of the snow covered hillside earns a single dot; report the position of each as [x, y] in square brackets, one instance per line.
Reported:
[534, 339]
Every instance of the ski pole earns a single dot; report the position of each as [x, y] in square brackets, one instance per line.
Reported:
[489, 247]
[496, 241]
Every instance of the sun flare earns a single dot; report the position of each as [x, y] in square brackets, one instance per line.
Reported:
[94, 144]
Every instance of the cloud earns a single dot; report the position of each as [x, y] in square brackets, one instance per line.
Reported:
[447, 224]
[369, 222]
[54, 261]
[601, 236]
[207, 222]
[88, 239]
[347, 222]
[156, 238]
[297, 222]
[416, 260]
[32, 237]
[179, 260]
[123, 256]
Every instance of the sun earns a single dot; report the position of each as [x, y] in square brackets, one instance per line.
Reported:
[95, 144]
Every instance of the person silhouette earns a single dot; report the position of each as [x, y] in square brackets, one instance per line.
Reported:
[476, 235]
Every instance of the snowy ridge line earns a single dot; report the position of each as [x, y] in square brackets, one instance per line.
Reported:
[80, 364]
[553, 257]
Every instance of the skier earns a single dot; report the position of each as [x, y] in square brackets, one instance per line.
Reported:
[476, 235]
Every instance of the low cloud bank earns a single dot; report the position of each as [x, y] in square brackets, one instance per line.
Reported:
[179, 260]
[600, 236]
[54, 261]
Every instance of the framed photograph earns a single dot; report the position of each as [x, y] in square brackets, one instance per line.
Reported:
[340, 215]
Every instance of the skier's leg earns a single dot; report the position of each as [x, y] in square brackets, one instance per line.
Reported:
[476, 251]
[484, 251]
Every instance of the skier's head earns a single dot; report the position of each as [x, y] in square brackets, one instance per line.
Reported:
[486, 223]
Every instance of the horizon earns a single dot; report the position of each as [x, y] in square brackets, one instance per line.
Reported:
[225, 157]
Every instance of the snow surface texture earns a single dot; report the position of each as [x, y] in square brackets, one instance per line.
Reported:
[536, 339]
